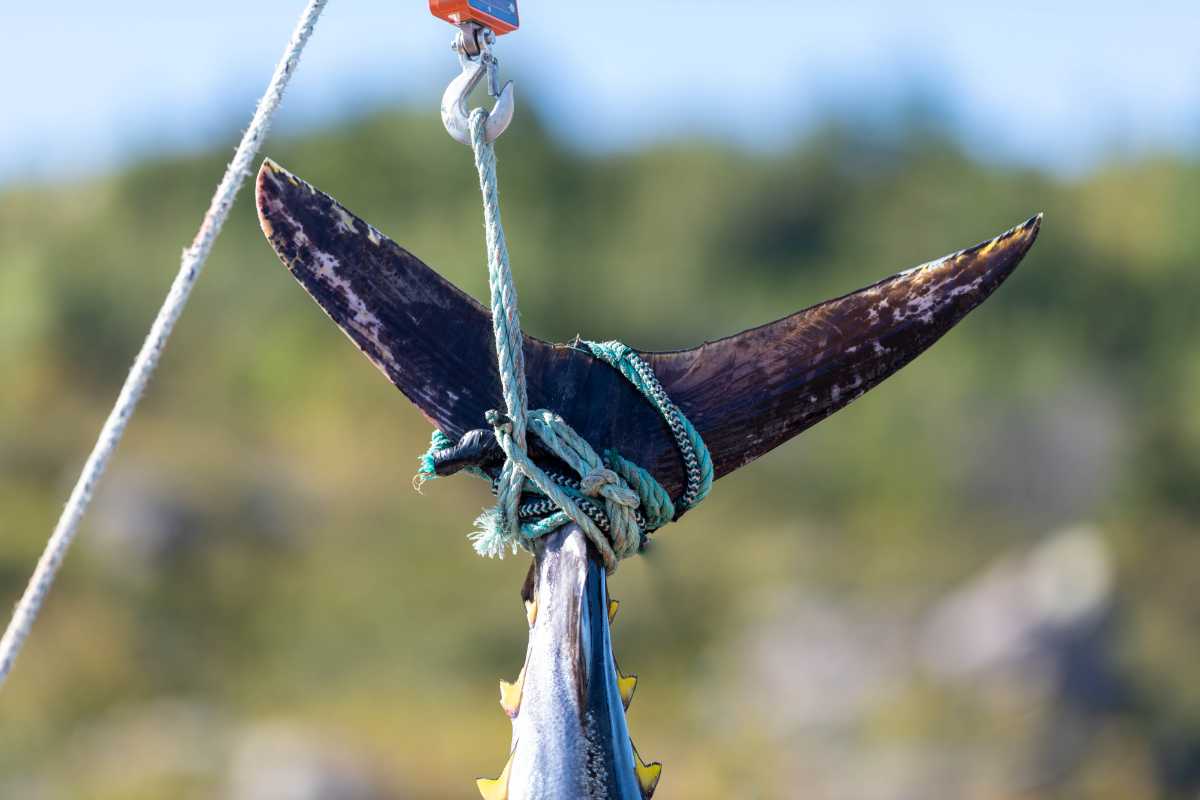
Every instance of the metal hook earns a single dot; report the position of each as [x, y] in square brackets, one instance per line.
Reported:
[455, 115]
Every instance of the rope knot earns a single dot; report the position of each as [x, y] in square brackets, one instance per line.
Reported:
[634, 502]
[596, 480]
[603, 482]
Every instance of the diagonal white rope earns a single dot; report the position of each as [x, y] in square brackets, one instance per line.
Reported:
[147, 358]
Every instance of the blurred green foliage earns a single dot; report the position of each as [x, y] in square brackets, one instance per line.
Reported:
[256, 551]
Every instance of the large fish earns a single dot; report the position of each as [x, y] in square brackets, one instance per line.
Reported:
[746, 394]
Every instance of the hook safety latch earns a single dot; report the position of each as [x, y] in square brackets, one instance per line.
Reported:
[473, 43]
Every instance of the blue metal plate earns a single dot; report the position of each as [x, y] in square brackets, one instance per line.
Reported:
[503, 10]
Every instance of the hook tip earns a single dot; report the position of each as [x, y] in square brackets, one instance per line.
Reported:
[502, 115]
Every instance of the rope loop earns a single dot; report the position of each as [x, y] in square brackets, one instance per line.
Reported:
[614, 501]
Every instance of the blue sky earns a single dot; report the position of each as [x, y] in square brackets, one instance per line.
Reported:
[89, 86]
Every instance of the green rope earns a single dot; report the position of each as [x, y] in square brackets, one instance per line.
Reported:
[626, 502]
[426, 469]
[696, 458]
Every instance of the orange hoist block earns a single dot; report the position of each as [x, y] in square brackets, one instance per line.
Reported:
[499, 15]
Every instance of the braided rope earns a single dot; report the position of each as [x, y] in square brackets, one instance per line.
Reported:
[615, 502]
[147, 358]
[696, 459]
[506, 324]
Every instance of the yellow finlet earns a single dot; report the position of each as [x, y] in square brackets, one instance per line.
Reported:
[510, 695]
[626, 685]
[648, 775]
[498, 789]
[531, 609]
[613, 605]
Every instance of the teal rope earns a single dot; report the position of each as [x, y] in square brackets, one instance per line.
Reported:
[620, 502]
[510, 350]
[634, 502]
[657, 507]
[426, 463]
[426, 471]
[697, 461]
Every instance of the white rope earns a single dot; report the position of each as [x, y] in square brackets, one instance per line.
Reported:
[147, 358]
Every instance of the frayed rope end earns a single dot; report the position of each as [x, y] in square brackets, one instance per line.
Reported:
[425, 472]
[427, 463]
[490, 539]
